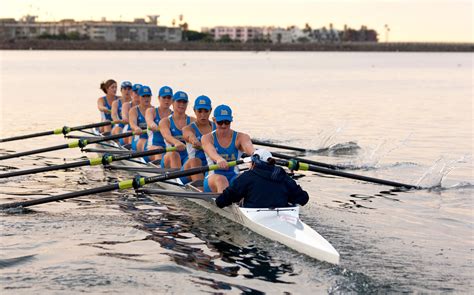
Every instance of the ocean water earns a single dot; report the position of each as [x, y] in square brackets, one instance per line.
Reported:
[406, 117]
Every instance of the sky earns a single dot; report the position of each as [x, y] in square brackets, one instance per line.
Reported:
[407, 20]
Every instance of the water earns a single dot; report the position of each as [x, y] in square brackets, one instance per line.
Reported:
[404, 117]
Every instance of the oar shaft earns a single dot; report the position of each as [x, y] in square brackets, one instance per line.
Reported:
[91, 191]
[291, 148]
[44, 169]
[37, 151]
[78, 143]
[295, 165]
[301, 160]
[63, 130]
[106, 159]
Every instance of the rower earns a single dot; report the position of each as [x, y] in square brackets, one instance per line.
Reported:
[171, 129]
[104, 103]
[153, 117]
[193, 133]
[126, 109]
[263, 186]
[221, 146]
[117, 105]
[137, 118]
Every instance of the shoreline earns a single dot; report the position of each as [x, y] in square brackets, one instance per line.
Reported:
[214, 46]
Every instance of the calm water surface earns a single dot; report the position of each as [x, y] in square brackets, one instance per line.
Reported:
[405, 117]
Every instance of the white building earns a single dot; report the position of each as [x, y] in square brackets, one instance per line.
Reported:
[242, 34]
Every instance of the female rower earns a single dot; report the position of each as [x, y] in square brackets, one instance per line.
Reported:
[137, 118]
[193, 133]
[221, 146]
[117, 105]
[104, 103]
[126, 110]
[153, 117]
[171, 129]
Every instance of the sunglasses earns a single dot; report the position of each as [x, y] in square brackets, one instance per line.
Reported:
[127, 88]
[166, 97]
[225, 122]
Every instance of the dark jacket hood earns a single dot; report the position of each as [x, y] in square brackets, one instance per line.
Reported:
[270, 172]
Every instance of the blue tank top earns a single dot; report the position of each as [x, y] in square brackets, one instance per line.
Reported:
[230, 153]
[141, 122]
[195, 153]
[107, 105]
[119, 109]
[158, 139]
[178, 134]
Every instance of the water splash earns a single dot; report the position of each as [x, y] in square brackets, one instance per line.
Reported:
[370, 158]
[434, 176]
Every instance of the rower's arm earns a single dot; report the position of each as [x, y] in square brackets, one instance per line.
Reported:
[188, 134]
[101, 106]
[150, 119]
[115, 110]
[132, 115]
[244, 143]
[165, 131]
[125, 110]
[209, 148]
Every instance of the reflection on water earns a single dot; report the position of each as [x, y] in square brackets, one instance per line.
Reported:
[196, 247]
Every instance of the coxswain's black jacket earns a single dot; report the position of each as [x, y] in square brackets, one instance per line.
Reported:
[264, 186]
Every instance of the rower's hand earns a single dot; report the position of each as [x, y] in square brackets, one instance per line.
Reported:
[137, 131]
[223, 164]
[106, 111]
[154, 128]
[180, 146]
[197, 145]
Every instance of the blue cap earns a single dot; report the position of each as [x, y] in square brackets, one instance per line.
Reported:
[144, 90]
[136, 87]
[180, 95]
[202, 102]
[223, 113]
[165, 91]
[126, 84]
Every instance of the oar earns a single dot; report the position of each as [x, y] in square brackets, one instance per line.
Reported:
[63, 130]
[301, 160]
[135, 183]
[78, 143]
[286, 147]
[104, 160]
[296, 165]
[190, 195]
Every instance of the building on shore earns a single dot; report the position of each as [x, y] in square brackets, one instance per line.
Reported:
[139, 30]
[291, 34]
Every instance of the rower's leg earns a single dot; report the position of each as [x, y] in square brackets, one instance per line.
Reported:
[141, 144]
[218, 183]
[155, 147]
[172, 160]
[116, 130]
[191, 163]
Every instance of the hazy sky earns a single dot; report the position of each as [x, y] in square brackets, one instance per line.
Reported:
[408, 20]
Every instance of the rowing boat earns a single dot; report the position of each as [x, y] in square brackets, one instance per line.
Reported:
[278, 224]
